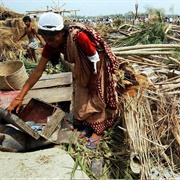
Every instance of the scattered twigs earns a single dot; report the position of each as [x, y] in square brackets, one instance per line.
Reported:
[175, 79]
[159, 128]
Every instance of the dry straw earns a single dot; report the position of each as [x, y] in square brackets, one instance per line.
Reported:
[152, 124]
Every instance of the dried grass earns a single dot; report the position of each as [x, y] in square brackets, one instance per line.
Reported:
[11, 30]
[152, 122]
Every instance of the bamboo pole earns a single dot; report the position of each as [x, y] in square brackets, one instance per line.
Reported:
[135, 52]
[146, 46]
[159, 57]
[168, 82]
[141, 63]
[172, 38]
[173, 92]
[168, 87]
[176, 135]
[147, 60]
[123, 33]
[174, 60]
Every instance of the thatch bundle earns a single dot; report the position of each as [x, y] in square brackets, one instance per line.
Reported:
[7, 13]
[8, 48]
[11, 30]
[152, 122]
[150, 106]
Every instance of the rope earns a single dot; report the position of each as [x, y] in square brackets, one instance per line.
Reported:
[8, 83]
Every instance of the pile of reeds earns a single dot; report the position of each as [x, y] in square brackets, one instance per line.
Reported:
[9, 50]
[152, 115]
[145, 140]
[11, 30]
[155, 55]
[152, 123]
[6, 12]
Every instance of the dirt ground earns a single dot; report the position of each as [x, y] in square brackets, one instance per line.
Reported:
[51, 163]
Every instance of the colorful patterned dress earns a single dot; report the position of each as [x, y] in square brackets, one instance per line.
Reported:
[96, 102]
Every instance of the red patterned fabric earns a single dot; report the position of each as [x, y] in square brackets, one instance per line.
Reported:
[111, 64]
[86, 45]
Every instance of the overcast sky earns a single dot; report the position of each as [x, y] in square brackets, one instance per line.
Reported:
[93, 7]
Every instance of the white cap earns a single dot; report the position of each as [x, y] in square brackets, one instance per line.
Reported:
[50, 22]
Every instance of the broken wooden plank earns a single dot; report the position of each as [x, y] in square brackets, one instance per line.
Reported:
[50, 95]
[52, 80]
[19, 123]
[54, 121]
[61, 90]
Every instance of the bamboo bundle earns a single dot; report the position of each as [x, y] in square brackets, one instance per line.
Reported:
[175, 79]
[147, 46]
[8, 48]
[147, 124]
[172, 38]
[135, 124]
[144, 52]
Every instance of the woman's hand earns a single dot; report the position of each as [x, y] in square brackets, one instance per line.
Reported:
[16, 103]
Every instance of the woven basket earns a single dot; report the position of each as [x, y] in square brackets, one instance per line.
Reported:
[13, 75]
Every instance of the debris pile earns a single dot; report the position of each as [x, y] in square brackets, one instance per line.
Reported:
[12, 27]
[148, 88]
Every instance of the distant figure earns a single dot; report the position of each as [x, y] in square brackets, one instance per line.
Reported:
[136, 22]
[32, 34]
[35, 17]
[178, 20]
[170, 20]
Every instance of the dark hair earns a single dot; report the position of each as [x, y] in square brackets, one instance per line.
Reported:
[26, 18]
[53, 33]
[47, 33]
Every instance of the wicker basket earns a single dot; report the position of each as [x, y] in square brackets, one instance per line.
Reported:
[12, 75]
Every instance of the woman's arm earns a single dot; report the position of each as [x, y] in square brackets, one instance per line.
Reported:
[33, 78]
[89, 48]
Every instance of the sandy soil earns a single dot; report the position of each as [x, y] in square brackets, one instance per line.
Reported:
[51, 163]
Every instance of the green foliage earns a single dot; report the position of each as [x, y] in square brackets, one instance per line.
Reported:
[155, 12]
[50, 69]
[53, 69]
[113, 152]
[29, 66]
[150, 33]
